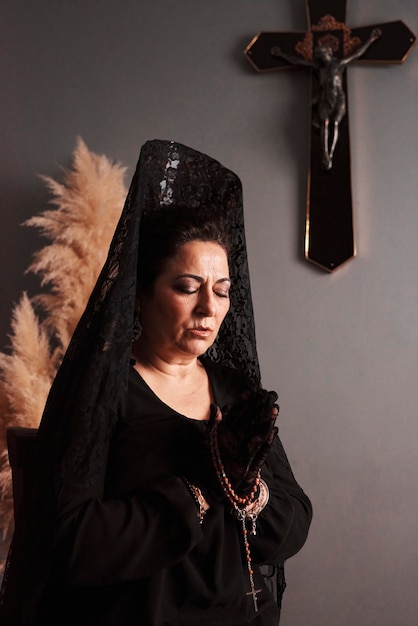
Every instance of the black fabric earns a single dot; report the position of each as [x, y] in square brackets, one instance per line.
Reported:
[171, 571]
[82, 407]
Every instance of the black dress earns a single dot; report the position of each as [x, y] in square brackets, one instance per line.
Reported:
[139, 556]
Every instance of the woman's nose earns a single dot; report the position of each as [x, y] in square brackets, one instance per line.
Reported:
[206, 305]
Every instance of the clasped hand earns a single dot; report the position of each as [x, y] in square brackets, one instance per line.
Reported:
[245, 433]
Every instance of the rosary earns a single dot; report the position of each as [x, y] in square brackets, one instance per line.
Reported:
[246, 508]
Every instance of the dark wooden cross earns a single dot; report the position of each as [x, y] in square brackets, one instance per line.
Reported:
[327, 47]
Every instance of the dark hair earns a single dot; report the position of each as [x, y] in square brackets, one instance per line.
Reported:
[162, 233]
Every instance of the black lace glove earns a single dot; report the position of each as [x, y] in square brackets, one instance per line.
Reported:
[245, 432]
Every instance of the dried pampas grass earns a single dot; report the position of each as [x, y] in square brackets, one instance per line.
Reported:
[87, 205]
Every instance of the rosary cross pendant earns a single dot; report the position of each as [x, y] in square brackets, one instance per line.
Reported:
[253, 593]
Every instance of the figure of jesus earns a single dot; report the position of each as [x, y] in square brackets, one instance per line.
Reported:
[331, 102]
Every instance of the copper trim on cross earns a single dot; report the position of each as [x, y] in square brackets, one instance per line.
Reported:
[329, 229]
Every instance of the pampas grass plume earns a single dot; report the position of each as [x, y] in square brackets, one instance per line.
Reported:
[87, 205]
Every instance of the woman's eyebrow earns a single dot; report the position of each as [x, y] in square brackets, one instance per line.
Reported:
[200, 279]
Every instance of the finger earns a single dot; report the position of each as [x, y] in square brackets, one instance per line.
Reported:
[273, 395]
[215, 415]
[274, 432]
[261, 454]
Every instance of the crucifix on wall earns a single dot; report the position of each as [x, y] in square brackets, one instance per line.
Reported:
[327, 48]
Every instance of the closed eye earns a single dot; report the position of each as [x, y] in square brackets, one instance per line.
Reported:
[194, 283]
[187, 290]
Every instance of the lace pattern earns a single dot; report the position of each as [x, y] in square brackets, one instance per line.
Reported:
[82, 406]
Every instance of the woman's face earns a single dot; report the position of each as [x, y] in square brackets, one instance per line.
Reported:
[182, 315]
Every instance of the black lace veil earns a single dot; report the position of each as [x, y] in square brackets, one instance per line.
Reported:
[82, 406]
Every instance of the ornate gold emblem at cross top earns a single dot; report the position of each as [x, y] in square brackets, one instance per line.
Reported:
[328, 23]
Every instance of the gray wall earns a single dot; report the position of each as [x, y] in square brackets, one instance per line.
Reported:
[341, 348]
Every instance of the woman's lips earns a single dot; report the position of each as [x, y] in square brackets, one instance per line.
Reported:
[201, 331]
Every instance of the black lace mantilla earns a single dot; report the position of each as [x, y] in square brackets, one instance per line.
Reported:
[83, 402]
